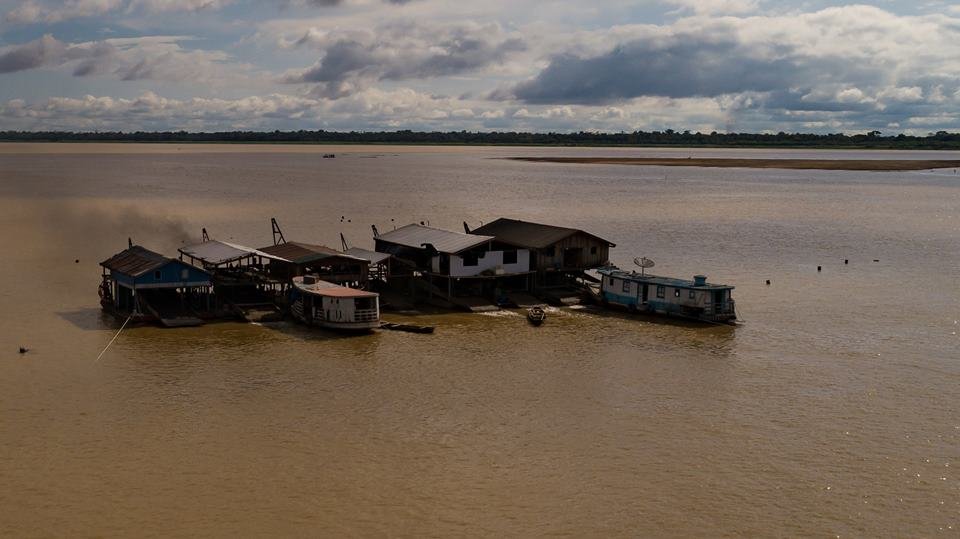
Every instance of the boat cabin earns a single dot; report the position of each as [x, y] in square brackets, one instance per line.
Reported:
[696, 299]
[324, 304]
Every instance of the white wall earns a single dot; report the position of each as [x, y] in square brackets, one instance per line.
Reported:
[490, 260]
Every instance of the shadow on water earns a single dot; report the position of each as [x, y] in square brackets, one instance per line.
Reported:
[661, 320]
[91, 319]
[314, 334]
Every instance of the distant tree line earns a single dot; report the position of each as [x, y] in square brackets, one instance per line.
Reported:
[940, 140]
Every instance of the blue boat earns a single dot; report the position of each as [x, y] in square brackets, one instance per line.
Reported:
[643, 293]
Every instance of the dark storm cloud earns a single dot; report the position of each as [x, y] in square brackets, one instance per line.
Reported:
[331, 3]
[49, 51]
[685, 66]
[401, 52]
[44, 51]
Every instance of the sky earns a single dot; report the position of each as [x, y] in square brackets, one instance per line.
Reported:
[812, 66]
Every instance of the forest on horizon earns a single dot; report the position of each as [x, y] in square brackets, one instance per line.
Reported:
[941, 140]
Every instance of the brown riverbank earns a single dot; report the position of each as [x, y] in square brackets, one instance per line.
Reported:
[892, 165]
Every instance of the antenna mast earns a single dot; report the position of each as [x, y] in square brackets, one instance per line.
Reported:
[277, 233]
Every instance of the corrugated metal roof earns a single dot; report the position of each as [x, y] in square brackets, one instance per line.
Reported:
[135, 261]
[444, 241]
[373, 256]
[530, 235]
[326, 288]
[658, 280]
[303, 253]
[218, 252]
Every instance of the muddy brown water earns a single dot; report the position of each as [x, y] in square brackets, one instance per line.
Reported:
[831, 411]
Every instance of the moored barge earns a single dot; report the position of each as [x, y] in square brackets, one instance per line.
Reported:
[695, 300]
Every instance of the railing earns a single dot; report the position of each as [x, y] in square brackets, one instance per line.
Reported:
[366, 315]
[721, 309]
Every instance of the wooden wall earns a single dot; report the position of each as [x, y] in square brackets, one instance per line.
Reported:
[587, 259]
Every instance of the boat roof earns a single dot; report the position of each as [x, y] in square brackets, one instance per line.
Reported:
[326, 288]
[659, 280]
[218, 252]
[373, 256]
[302, 253]
[531, 235]
[444, 241]
[136, 261]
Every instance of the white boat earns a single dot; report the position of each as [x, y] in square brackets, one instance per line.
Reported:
[328, 305]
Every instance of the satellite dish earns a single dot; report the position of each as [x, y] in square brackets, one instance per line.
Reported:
[644, 263]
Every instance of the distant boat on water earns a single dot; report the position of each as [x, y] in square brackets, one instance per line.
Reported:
[536, 315]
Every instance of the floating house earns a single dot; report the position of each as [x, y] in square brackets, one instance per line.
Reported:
[219, 255]
[696, 299]
[149, 287]
[556, 252]
[453, 254]
[457, 264]
[324, 304]
[295, 259]
[241, 285]
[379, 269]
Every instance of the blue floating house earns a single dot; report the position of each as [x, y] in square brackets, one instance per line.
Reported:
[696, 299]
[149, 287]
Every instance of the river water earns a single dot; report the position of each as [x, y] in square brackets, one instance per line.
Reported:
[831, 411]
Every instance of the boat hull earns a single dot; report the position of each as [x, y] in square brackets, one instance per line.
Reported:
[721, 319]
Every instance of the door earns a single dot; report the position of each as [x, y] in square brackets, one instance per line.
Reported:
[572, 257]
[718, 300]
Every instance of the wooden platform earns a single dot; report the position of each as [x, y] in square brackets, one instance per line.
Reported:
[524, 299]
[181, 322]
[561, 297]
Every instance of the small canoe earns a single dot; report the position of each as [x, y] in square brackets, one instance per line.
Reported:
[536, 315]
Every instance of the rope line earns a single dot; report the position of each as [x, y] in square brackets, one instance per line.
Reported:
[114, 337]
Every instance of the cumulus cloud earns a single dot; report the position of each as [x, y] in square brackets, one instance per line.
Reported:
[32, 11]
[858, 59]
[353, 59]
[157, 6]
[707, 64]
[144, 58]
[51, 11]
[329, 3]
[716, 7]
[48, 51]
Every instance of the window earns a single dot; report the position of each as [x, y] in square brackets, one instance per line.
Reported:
[157, 275]
[184, 274]
[611, 282]
[593, 250]
[550, 251]
[676, 292]
[693, 294]
[661, 291]
[509, 257]
[470, 259]
[626, 285]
